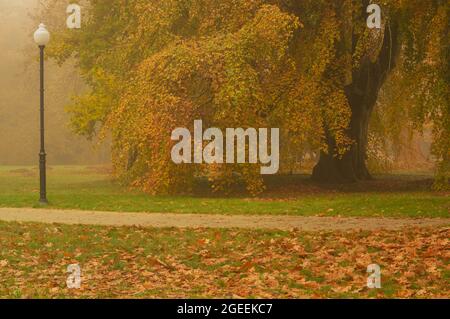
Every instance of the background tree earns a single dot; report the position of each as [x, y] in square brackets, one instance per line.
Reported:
[19, 96]
[312, 68]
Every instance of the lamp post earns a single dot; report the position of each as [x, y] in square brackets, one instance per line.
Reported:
[42, 37]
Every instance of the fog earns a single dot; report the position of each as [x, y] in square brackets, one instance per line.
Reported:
[19, 97]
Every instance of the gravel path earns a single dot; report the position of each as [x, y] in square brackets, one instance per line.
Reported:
[74, 217]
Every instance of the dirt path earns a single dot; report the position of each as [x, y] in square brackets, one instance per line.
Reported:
[74, 217]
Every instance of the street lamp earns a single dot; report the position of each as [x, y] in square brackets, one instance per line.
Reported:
[42, 37]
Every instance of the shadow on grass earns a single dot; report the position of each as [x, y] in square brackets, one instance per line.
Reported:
[295, 186]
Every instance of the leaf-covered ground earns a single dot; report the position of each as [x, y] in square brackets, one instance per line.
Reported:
[146, 263]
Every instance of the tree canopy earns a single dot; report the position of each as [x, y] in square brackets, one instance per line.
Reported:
[312, 68]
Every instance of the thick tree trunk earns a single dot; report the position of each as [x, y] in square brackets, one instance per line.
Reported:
[351, 166]
[362, 95]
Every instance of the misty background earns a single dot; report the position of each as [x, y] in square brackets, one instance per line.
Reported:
[19, 100]
[19, 97]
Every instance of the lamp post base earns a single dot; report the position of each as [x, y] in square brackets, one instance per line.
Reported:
[42, 178]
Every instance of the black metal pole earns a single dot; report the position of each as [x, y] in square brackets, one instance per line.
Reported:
[42, 154]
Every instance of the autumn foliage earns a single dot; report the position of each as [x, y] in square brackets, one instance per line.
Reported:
[156, 65]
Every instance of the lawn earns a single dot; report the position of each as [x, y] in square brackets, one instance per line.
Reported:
[217, 263]
[133, 262]
[92, 188]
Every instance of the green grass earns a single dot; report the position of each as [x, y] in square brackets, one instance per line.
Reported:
[88, 188]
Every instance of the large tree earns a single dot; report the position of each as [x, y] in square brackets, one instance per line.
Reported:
[311, 67]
